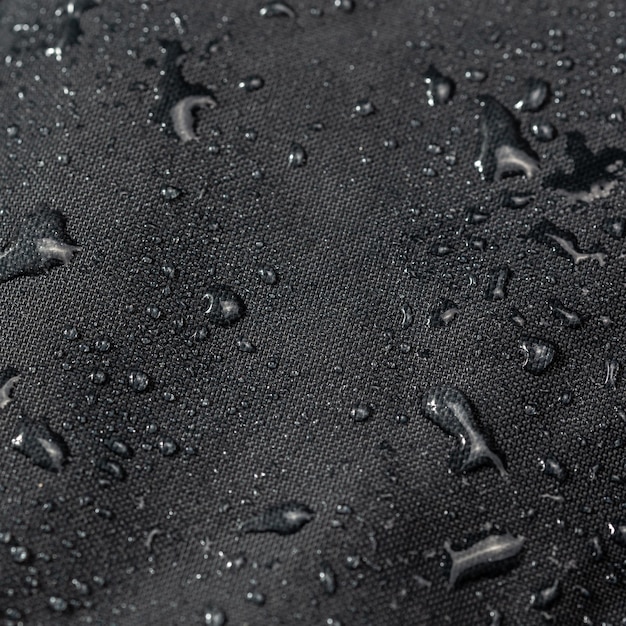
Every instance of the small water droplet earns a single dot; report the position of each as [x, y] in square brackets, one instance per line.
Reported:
[538, 354]
[612, 372]
[615, 227]
[268, 275]
[544, 131]
[283, 519]
[297, 156]
[347, 6]
[120, 448]
[328, 578]
[498, 283]
[440, 88]
[251, 83]
[277, 9]
[546, 597]
[244, 345]
[225, 307]
[255, 597]
[444, 314]
[448, 408]
[535, 96]
[20, 554]
[170, 193]
[551, 466]
[514, 200]
[364, 108]
[407, 316]
[138, 381]
[168, 447]
[567, 316]
[361, 412]
[214, 616]
[112, 468]
[57, 604]
[475, 75]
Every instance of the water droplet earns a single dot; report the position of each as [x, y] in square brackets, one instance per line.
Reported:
[297, 156]
[112, 468]
[138, 380]
[567, 316]
[256, 597]
[361, 412]
[546, 597]
[57, 604]
[616, 115]
[407, 317]
[494, 553]
[536, 95]
[43, 447]
[98, 377]
[225, 307]
[503, 152]
[168, 447]
[277, 9]
[268, 275]
[617, 532]
[364, 108]
[283, 519]
[170, 193]
[594, 175]
[615, 227]
[448, 408]
[214, 616]
[39, 244]
[182, 114]
[444, 314]
[498, 283]
[252, 83]
[475, 75]
[538, 354]
[440, 88]
[9, 377]
[328, 579]
[612, 372]
[550, 466]
[543, 131]
[475, 215]
[564, 243]
[20, 554]
[513, 200]
[120, 448]
[244, 345]
[347, 6]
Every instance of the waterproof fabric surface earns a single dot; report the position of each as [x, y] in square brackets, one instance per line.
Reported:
[374, 262]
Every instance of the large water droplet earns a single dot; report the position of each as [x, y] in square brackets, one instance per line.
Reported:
[43, 447]
[495, 553]
[503, 151]
[225, 307]
[283, 519]
[40, 243]
[448, 408]
[538, 354]
[564, 243]
[594, 175]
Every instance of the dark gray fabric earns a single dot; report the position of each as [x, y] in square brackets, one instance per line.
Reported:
[355, 235]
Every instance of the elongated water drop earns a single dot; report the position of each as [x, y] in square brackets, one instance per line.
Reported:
[42, 446]
[283, 519]
[448, 408]
[492, 554]
[564, 243]
[9, 378]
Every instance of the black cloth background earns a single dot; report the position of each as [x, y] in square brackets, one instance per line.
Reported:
[350, 235]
